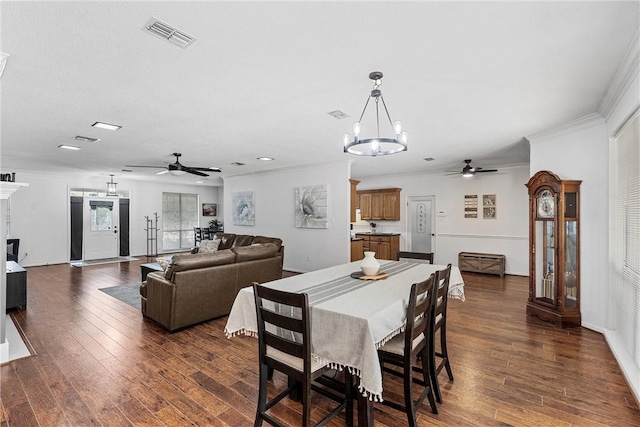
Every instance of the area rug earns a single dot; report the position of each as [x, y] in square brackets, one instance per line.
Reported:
[128, 293]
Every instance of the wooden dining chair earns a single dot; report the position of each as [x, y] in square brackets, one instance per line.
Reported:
[289, 352]
[439, 324]
[415, 256]
[402, 350]
[197, 236]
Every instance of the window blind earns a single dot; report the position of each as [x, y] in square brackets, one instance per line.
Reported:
[626, 286]
[179, 217]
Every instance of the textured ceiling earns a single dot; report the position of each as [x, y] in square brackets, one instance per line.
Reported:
[469, 80]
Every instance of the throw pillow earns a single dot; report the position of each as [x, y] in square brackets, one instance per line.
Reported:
[209, 246]
[163, 262]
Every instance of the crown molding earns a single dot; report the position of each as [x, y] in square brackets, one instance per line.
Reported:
[584, 122]
[625, 74]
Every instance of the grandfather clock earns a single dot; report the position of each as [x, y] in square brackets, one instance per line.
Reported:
[554, 249]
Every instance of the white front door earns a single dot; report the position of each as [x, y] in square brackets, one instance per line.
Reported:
[421, 224]
[100, 219]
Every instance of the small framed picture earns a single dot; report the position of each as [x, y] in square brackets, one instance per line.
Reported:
[209, 209]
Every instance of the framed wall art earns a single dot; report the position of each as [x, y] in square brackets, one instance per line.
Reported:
[310, 207]
[243, 208]
[489, 206]
[209, 209]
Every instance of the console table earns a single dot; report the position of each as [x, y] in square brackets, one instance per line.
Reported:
[16, 286]
[148, 268]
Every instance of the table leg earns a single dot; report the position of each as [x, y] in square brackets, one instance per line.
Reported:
[365, 410]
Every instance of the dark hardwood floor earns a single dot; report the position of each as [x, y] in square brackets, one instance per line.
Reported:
[99, 363]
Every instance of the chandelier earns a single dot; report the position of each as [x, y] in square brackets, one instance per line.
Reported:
[111, 187]
[376, 146]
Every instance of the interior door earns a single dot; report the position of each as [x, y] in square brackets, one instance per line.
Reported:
[100, 221]
[421, 224]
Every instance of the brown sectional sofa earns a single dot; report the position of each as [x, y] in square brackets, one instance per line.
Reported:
[199, 287]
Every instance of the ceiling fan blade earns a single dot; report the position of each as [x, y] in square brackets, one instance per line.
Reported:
[139, 166]
[480, 170]
[193, 171]
[206, 169]
[452, 173]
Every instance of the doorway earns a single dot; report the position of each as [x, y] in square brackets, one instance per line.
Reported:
[100, 219]
[421, 235]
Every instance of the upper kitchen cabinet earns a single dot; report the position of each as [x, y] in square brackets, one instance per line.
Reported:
[380, 204]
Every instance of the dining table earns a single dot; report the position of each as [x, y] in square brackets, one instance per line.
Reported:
[350, 318]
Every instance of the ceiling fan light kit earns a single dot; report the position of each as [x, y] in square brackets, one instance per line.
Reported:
[468, 171]
[178, 169]
[376, 146]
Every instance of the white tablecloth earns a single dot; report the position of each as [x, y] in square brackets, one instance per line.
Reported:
[350, 318]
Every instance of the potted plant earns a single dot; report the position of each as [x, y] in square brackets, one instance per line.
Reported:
[215, 225]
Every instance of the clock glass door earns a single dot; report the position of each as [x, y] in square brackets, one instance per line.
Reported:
[545, 262]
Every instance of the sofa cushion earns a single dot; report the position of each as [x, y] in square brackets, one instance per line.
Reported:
[264, 239]
[209, 246]
[226, 240]
[258, 251]
[242, 240]
[194, 261]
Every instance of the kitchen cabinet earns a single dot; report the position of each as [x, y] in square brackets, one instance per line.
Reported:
[365, 206]
[380, 204]
[357, 251]
[386, 246]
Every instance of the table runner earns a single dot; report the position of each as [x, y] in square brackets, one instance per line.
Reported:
[350, 318]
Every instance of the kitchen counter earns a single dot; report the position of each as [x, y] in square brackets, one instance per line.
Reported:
[369, 233]
[355, 239]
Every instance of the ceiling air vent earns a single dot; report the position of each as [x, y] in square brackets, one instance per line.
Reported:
[167, 32]
[337, 114]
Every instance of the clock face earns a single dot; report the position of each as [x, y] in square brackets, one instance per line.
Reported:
[545, 204]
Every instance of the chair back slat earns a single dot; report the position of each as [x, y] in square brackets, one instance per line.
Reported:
[419, 311]
[419, 256]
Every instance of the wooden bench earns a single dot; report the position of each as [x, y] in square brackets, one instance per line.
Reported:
[481, 263]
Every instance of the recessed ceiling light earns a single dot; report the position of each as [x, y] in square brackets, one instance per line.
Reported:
[237, 164]
[106, 126]
[429, 159]
[69, 147]
[86, 139]
[266, 159]
[199, 182]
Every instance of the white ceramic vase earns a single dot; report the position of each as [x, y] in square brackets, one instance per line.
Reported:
[369, 264]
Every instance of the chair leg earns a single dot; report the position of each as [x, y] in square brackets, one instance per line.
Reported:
[262, 395]
[426, 372]
[433, 369]
[408, 398]
[348, 390]
[306, 404]
[443, 347]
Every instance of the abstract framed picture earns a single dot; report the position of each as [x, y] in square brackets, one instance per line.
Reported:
[243, 208]
[310, 207]
[209, 209]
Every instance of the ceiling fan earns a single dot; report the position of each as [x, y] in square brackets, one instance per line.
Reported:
[178, 168]
[468, 170]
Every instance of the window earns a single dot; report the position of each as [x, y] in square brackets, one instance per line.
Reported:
[626, 239]
[179, 217]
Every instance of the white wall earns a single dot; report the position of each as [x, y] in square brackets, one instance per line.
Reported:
[40, 212]
[507, 234]
[305, 249]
